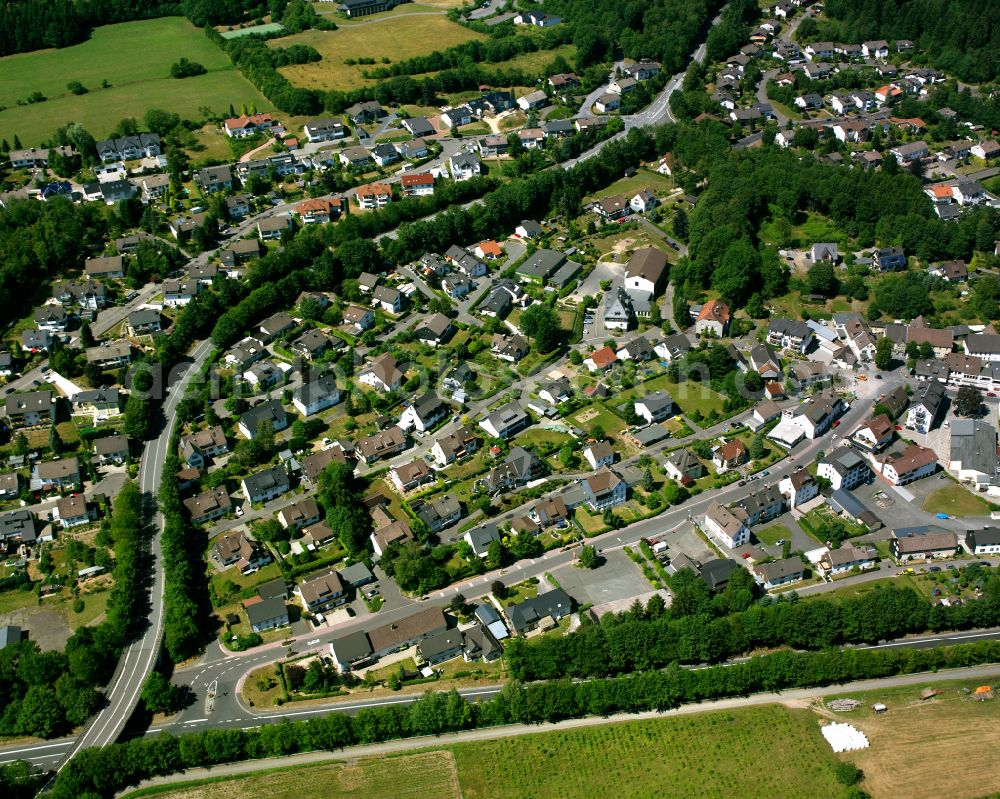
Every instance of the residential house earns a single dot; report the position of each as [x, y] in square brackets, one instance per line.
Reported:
[358, 318]
[636, 350]
[778, 573]
[540, 265]
[910, 151]
[144, 322]
[684, 466]
[244, 353]
[31, 409]
[267, 614]
[729, 455]
[272, 227]
[111, 450]
[454, 446]
[265, 485]
[519, 467]
[457, 287]
[274, 326]
[328, 129]
[197, 448]
[617, 309]
[382, 374]
[599, 454]
[607, 103]
[550, 511]
[384, 444]
[506, 422]
[237, 253]
[712, 319]
[464, 166]
[922, 543]
[510, 347]
[442, 513]
[983, 345]
[600, 360]
[847, 558]
[263, 375]
[312, 344]
[356, 158]
[441, 647]
[612, 208]
[10, 485]
[646, 272]
[367, 111]
[209, 505]
[555, 392]
[644, 201]
[727, 526]
[319, 210]
[316, 396]
[541, 611]
[73, 512]
[91, 295]
[789, 334]
[423, 413]
[911, 464]
[533, 100]
[384, 154]
[655, 407]
[398, 635]
[388, 299]
[925, 406]
[211, 179]
[351, 651]
[270, 413]
[320, 592]
[419, 184]
[246, 125]
[419, 126]
[100, 403]
[983, 542]
[875, 434]
[237, 549]
[798, 488]
[434, 330]
[604, 489]
[844, 468]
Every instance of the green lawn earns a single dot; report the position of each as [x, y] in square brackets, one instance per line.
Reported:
[643, 179]
[597, 414]
[955, 500]
[731, 754]
[771, 535]
[919, 584]
[137, 84]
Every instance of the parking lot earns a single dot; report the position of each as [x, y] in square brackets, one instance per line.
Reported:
[617, 578]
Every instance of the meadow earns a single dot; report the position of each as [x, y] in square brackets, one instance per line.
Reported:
[703, 755]
[135, 59]
[395, 36]
[418, 776]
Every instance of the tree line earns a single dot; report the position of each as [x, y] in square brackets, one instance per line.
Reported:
[503, 45]
[97, 773]
[641, 640]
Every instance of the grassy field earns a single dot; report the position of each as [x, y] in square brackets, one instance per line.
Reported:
[661, 185]
[137, 84]
[956, 501]
[917, 746]
[771, 535]
[919, 584]
[381, 37]
[535, 62]
[418, 776]
[705, 755]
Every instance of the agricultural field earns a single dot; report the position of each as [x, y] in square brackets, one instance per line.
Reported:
[929, 737]
[417, 776]
[704, 755]
[393, 36]
[137, 84]
[956, 501]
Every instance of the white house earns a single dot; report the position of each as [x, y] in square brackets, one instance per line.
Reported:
[724, 525]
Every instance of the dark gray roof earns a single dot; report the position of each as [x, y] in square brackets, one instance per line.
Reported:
[351, 647]
[555, 603]
[716, 572]
[266, 609]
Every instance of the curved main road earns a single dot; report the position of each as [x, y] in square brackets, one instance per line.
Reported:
[139, 658]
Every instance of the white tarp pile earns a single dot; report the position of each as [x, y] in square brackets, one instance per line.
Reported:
[844, 737]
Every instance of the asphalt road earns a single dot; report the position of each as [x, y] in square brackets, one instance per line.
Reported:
[47, 754]
[140, 657]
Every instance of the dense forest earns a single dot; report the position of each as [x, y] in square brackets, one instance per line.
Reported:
[959, 36]
[660, 30]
